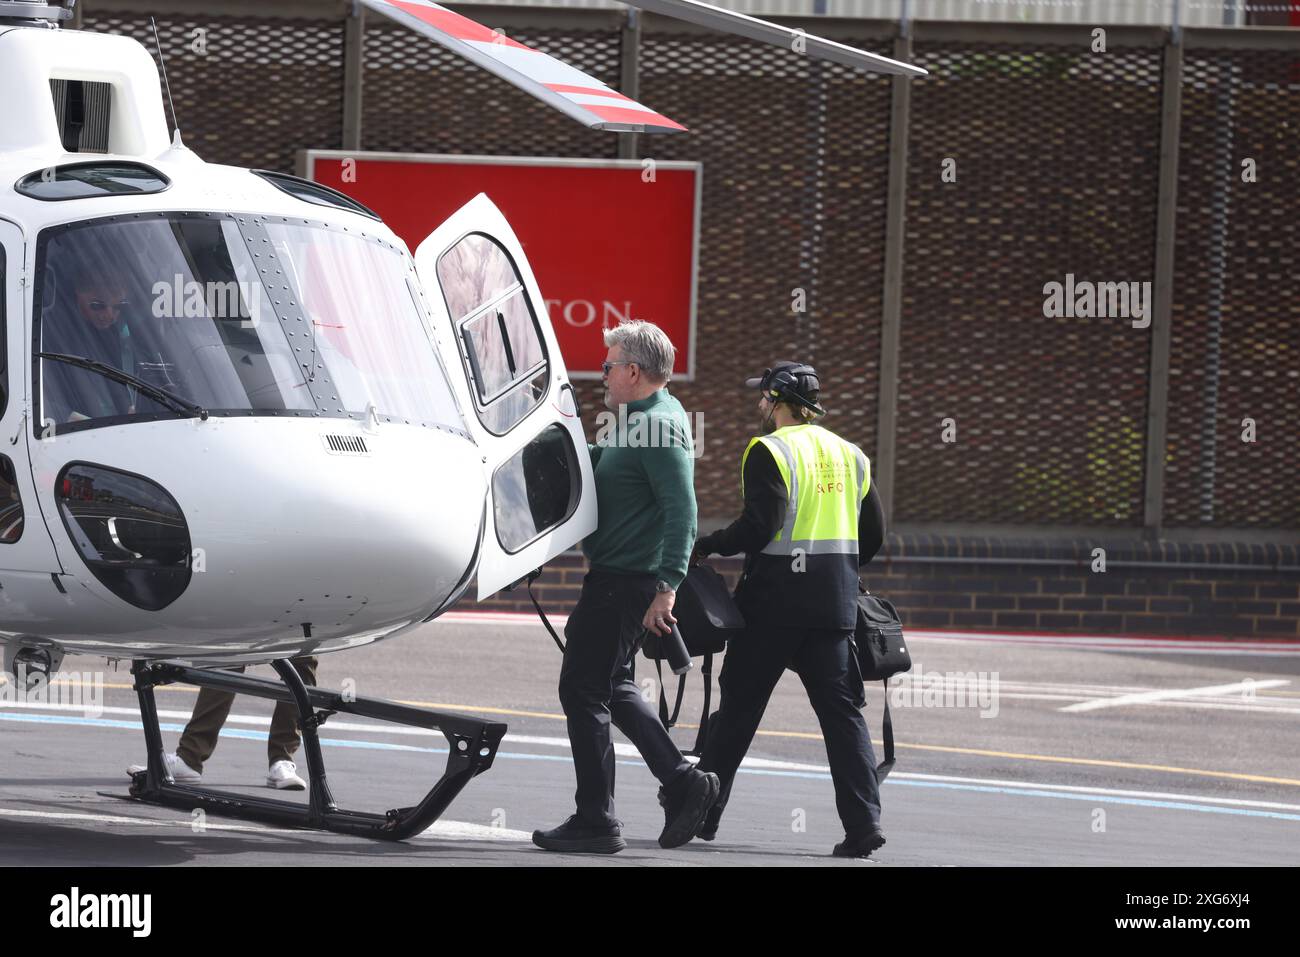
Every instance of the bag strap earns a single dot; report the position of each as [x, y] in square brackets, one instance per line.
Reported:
[702, 736]
[887, 723]
[751, 560]
[883, 769]
[541, 614]
[665, 718]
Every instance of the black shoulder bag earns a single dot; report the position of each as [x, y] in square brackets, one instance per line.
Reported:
[881, 653]
[706, 616]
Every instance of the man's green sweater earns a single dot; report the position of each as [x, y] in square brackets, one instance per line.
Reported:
[645, 491]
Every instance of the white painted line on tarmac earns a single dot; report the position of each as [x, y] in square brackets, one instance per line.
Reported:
[441, 830]
[464, 831]
[932, 682]
[1167, 694]
[145, 821]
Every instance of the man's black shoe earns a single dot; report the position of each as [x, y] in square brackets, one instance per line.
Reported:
[709, 829]
[576, 836]
[685, 804]
[860, 845]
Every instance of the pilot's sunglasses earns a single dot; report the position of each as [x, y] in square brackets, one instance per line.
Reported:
[98, 305]
[606, 366]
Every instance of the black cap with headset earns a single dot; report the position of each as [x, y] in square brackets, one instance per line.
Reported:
[792, 382]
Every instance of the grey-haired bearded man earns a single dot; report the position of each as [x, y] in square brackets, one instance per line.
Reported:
[638, 557]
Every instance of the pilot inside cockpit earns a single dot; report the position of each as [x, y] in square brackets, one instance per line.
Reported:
[94, 312]
[88, 320]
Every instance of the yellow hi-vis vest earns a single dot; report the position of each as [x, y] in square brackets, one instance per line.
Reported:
[826, 479]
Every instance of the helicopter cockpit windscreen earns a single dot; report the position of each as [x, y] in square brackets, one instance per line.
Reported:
[229, 315]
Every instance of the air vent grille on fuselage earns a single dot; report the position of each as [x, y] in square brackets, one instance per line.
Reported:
[346, 444]
[82, 109]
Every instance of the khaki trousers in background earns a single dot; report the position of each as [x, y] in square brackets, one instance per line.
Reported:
[213, 707]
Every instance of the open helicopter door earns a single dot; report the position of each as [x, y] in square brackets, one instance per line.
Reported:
[489, 320]
[25, 545]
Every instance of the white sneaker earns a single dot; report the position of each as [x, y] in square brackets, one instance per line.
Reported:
[181, 772]
[284, 775]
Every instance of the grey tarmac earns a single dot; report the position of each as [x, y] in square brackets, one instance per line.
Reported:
[1138, 753]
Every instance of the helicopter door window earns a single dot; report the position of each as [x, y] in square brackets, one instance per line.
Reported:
[11, 503]
[536, 489]
[500, 339]
[4, 338]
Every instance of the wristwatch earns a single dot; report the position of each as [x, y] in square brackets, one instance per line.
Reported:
[662, 586]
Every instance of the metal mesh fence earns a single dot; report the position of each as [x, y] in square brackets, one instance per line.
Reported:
[1050, 156]
[1055, 151]
[795, 158]
[1235, 338]
[248, 91]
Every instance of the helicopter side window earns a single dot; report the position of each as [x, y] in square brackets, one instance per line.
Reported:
[501, 342]
[11, 503]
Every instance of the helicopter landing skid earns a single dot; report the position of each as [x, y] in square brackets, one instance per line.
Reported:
[472, 746]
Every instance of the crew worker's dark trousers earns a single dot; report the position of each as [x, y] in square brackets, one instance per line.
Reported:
[823, 660]
[597, 685]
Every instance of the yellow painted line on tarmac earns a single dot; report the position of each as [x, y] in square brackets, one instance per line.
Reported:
[480, 709]
[188, 689]
[814, 736]
[979, 752]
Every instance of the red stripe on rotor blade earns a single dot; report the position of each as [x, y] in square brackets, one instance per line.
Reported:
[590, 90]
[617, 114]
[453, 24]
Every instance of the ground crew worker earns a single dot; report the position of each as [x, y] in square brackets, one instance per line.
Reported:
[811, 518]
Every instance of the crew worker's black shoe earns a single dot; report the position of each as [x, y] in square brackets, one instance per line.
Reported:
[860, 844]
[685, 804]
[709, 829]
[576, 836]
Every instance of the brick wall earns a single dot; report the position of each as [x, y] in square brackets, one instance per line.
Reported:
[944, 582]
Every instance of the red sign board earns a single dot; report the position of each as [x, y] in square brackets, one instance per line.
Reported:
[607, 239]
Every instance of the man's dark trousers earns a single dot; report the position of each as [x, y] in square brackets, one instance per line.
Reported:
[597, 685]
[824, 661]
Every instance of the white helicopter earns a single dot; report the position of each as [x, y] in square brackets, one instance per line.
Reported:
[243, 423]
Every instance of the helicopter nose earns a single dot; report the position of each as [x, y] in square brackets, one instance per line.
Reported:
[305, 535]
[328, 533]
[346, 543]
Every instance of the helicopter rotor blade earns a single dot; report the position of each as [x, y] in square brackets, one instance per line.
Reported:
[567, 89]
[752, 28]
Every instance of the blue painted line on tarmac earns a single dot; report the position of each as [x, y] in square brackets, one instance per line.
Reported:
[1104, 799]
[241, 734]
